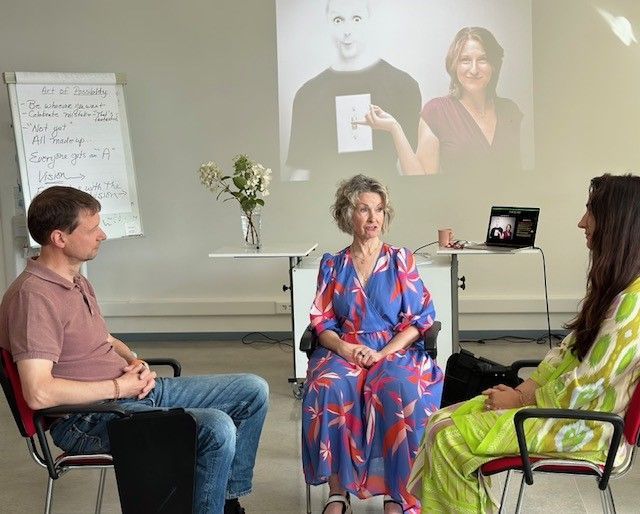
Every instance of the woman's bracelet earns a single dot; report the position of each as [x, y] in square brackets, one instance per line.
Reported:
[116, 386]
[522, 399]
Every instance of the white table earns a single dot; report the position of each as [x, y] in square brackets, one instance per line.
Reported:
[293, 251]
[453, 254]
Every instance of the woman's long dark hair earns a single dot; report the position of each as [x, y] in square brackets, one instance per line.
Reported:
[614, 203]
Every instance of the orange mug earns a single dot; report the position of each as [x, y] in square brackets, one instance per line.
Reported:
[445, 237]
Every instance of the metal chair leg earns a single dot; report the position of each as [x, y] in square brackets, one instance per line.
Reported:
[520, 495]
[611, 502]
[504, 492]
[49, 497]
[608, 505]
[605, 501]
[103, 476]
[308, 492]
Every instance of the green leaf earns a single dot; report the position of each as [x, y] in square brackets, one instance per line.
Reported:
[260, 201]
[241, 163]
[239, 182]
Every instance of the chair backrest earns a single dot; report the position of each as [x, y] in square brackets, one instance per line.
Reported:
[12, 387]
[632, 418]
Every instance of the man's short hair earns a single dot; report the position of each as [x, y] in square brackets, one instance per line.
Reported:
[58, 208]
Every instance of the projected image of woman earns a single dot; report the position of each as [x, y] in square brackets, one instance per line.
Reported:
[470, 129]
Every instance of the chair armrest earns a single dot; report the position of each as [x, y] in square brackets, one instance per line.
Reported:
[525, 363]
[430, 338]
[84, 408]
[308, 341]
[162, 361]
[605, 417]
[39, 417]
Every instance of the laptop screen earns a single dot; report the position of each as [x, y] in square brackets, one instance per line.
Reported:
[512, 226]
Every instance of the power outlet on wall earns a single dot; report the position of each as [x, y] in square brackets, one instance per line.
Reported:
[283, 308]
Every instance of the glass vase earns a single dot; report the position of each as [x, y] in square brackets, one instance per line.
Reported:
[250, 222]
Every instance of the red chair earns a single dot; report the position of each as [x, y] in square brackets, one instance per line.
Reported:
[33, 426]
[629, 428]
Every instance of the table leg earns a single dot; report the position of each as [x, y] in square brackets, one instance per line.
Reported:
[455, 325]
[295, 383]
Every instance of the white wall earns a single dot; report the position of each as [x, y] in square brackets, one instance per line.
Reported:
[202, 85]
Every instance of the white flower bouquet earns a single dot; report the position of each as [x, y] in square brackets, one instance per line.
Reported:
[249, 185]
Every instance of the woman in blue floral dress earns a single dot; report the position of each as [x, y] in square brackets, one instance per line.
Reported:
[370, 386]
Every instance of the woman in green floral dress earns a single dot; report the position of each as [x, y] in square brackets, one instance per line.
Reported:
[596, 367]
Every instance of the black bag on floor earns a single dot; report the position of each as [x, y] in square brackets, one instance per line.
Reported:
[154, 456]
[467, 376]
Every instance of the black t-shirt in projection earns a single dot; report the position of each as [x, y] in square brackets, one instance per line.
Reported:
[313, 144]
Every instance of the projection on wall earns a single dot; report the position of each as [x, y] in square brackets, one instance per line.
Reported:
[397, 87]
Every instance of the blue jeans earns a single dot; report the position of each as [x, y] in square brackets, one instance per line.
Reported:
[229, 411]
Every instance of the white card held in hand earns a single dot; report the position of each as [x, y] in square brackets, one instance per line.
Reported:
[352, 137]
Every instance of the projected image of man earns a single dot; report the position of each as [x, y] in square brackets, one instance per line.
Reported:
[324, 139]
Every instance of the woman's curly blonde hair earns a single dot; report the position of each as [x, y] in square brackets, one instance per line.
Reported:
[347, 196]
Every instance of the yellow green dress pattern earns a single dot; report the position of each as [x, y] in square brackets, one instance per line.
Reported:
[461, 438]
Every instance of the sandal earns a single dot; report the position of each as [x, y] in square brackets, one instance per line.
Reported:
[339, 498]
[389, 499]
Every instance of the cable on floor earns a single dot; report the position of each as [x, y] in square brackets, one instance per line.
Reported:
[285, 344]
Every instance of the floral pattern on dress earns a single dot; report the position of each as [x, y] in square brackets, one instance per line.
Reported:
[365, 425]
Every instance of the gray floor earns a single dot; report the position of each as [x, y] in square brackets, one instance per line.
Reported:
[278, 484]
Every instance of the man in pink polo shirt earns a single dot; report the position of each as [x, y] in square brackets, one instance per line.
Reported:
[51, 323]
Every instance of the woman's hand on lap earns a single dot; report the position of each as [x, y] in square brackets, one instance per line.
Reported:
[502, 397]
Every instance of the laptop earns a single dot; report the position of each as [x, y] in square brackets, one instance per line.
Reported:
[510, 227]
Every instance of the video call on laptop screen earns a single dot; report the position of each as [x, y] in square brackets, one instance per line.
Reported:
[512, 226]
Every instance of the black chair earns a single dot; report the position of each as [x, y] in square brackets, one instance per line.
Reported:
[33, 426]
[309, 342]
[467, 375]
